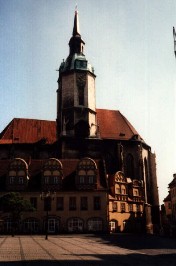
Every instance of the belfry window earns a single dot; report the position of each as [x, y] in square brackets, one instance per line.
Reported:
[81, 95]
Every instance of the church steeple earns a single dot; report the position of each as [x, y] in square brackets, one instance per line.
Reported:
[76, 110]
[76, 30]
[76, 43]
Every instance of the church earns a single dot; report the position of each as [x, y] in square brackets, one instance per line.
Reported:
[88, 171]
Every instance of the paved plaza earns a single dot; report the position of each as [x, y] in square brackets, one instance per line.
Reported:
[115, 249]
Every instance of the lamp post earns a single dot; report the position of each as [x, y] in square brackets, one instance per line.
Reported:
[47, 197]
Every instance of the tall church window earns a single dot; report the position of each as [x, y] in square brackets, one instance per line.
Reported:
[146, 169]
[130, 166]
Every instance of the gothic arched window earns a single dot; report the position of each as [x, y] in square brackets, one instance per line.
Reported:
[130, 166]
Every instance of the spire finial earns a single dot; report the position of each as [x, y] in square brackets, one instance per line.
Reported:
[76, 8]
[76, 30]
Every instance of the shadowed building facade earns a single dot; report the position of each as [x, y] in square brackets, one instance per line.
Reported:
[101, 170]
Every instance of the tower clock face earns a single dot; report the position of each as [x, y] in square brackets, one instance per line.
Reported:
[81, 64]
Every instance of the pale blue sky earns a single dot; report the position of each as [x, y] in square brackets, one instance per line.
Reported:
[130, 45]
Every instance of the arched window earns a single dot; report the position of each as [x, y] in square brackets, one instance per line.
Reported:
[18, 174]
[52, 173]
[123, 189]
[95, 224]
[117, 189]
[130, 166]
[86, 173]
[31, 225]
[75, 225]
[146, 169]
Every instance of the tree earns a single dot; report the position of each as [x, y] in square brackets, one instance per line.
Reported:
[14, 204]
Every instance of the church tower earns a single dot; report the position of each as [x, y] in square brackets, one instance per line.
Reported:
[76, 108]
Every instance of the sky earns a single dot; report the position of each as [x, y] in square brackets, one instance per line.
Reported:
[130, 45]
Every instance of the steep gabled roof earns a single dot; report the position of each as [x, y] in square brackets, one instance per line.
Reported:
[113, 125]
[21, 130]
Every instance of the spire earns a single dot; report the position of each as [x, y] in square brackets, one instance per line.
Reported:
[76, 30]
[76, 43]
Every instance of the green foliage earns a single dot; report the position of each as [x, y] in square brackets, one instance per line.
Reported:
[14, 204]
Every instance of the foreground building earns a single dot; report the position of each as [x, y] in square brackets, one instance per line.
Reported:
[169, 212]
[89, 171]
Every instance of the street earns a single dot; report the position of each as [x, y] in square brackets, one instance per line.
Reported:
[113, 249]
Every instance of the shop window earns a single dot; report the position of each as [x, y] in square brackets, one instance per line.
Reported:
[31, 225]
[75, 225]
[95, 224]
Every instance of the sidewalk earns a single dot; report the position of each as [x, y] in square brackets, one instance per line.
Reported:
[73, 250]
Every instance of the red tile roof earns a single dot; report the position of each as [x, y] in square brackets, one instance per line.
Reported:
[112, 125]
[21, 130]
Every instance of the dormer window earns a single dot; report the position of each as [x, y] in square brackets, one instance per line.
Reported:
[52, 174]
[57, 179]
[17, 175]
[21, 179]
[86, 173]
[91, 179]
